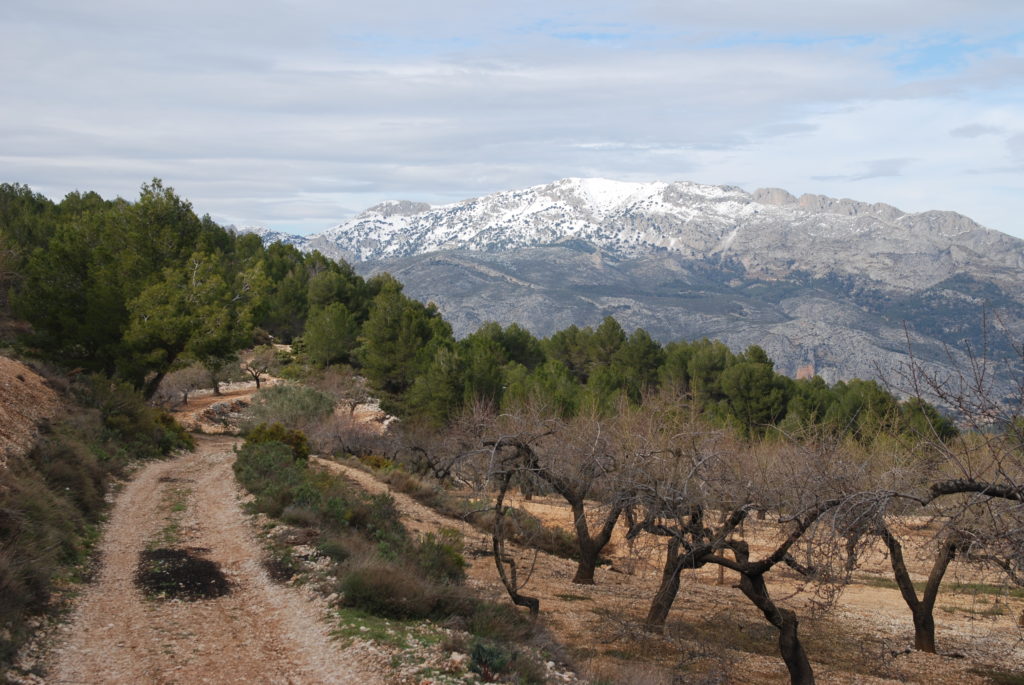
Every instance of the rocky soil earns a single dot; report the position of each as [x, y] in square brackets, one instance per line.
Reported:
[26, 401]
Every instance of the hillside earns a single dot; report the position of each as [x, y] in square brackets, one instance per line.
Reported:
[25, 402]
[824, 285]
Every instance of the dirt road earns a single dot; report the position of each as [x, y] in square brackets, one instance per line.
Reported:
[261, 632]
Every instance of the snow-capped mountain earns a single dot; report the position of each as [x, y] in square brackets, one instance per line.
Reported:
[268, 235]
[769, 231]
[819, 282]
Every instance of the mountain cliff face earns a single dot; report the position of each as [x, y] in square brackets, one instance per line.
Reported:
[824, 285]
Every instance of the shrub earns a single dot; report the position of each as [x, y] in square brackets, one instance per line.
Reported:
[294, 406]
[417, 488]
[71, 468]
[275, 432]
[440, 556]
[295, 515]
[383, 524]
[394, 590]
[144, 431]
[269, 471]
[41, 529]
[343, 434]
[489, 660]
[335, 547]
[388, 590]
[500, 622]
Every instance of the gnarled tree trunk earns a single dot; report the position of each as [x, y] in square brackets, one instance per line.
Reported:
[590, 546]
[508, 578]
[667, 590]
[792, 651]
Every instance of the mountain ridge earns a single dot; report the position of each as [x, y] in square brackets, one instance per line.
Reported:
[836, 285]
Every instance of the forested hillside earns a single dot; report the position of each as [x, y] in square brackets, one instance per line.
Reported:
[134, 290]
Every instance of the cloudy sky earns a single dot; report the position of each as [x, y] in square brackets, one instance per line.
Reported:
[297, 114]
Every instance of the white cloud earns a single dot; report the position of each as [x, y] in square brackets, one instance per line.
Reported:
[295, 114]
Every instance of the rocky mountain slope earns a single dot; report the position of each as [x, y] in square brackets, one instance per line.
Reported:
[824, 285]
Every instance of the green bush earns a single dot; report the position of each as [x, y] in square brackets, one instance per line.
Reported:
[275, 432]
[280, 483]
[270, 472]
[489, 660]
[127, 420]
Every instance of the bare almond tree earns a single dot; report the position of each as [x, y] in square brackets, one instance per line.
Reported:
[259, 362]
[181, 383]
[972, 488]
[700, 494]
[588, 460]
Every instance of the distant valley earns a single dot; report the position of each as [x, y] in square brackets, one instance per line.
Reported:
[825, 286]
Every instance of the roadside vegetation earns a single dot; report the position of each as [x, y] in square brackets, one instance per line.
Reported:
[53, 497]
[393, 585]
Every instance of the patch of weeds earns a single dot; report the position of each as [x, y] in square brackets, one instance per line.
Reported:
[179, 574]
[282, 566]
[986, 589]
[500, 622]
[400, 591]
[956, 587]
[176, 501]
[377, 462]
[887, 583]
[355, 624]
[989, 611]
[573, 598]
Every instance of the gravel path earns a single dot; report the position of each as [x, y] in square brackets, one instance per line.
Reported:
[261, 632]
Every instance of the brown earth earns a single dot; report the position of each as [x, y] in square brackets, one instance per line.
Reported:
[716, 635]
[25, 402]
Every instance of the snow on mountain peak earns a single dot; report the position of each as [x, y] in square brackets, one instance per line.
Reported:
[768, 230]
[603, 195]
